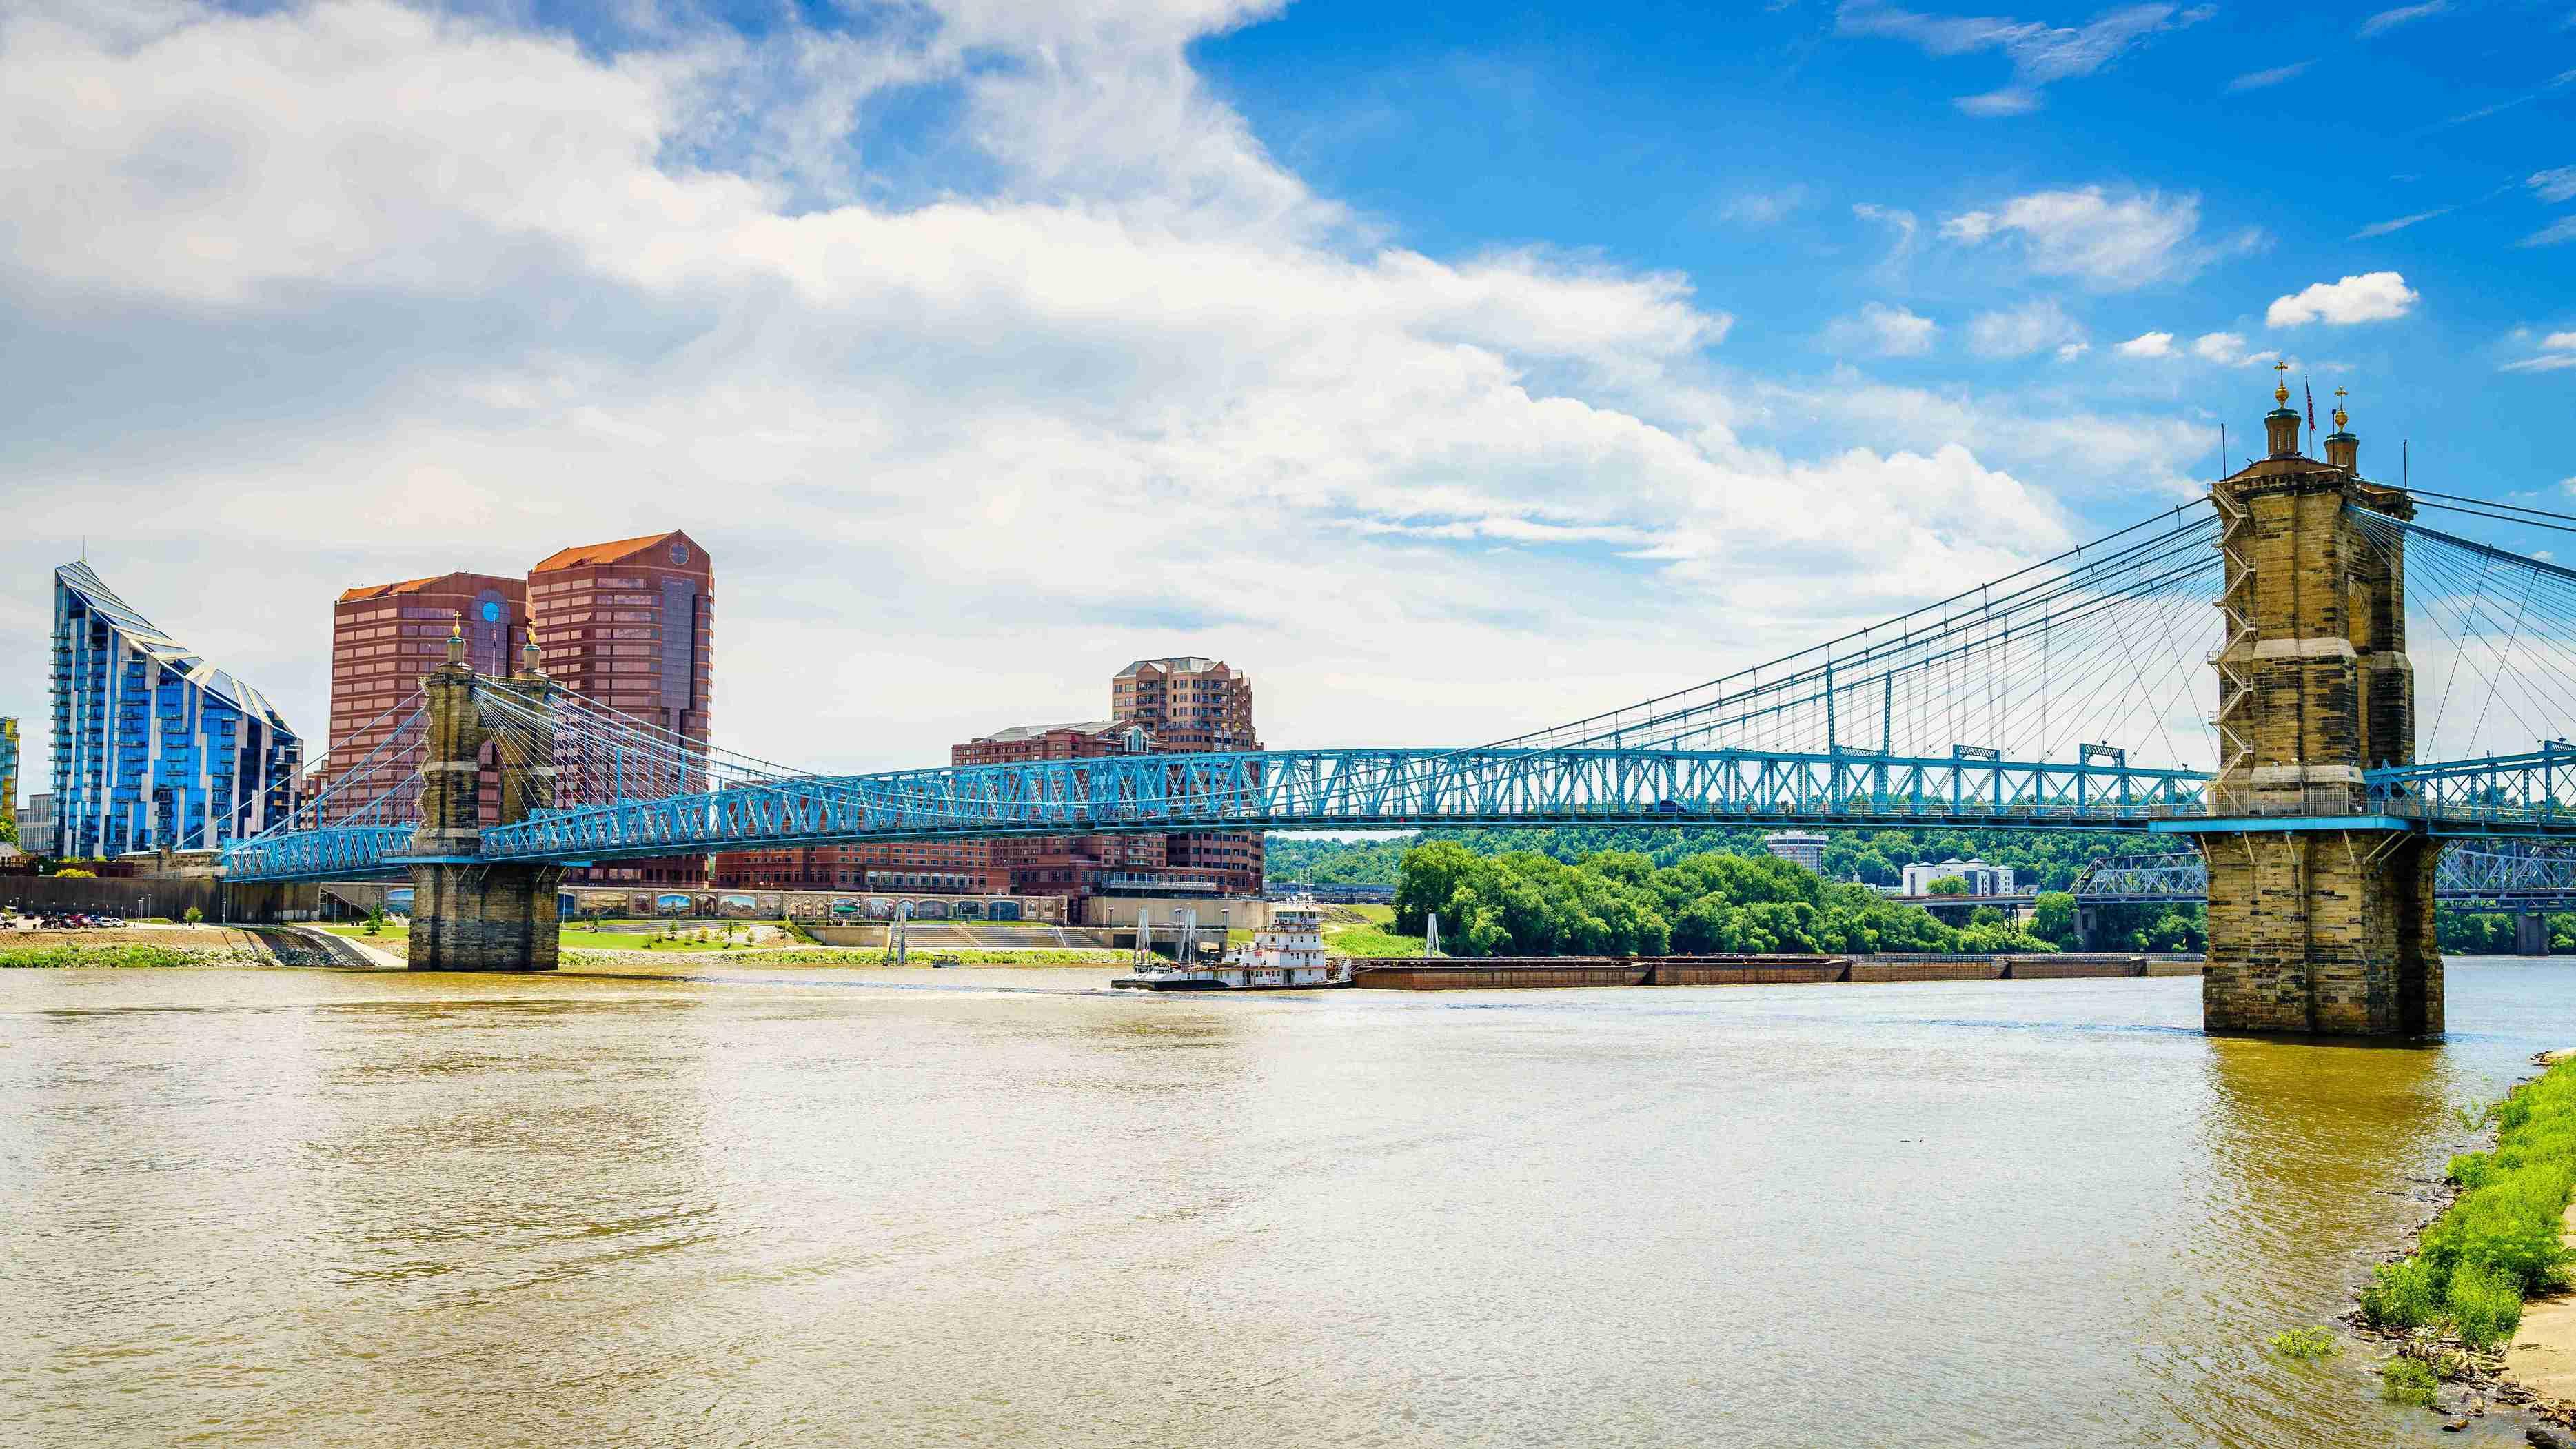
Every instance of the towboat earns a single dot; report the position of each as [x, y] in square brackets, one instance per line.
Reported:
[1286, 955]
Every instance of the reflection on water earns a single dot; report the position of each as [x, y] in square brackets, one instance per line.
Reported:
[1006, 1207]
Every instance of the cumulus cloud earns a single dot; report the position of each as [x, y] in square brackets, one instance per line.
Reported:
[561, 293]
[2219, 347]
[2041, 54]
[1879, 330]
[2255, 80]
[2369, 297]
[2113, 242]
[2147, 344]
[2034, 326]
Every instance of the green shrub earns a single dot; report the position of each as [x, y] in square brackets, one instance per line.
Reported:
[2486, 1306]
[2501, 1241]
[193, 916]
[2401, 1295]
[2307, 1343]
[2407, 1381]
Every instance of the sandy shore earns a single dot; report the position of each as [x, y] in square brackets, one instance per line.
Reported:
[2543, 1356]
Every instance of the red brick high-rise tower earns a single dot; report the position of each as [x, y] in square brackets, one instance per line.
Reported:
[386, 637]
[630, 624]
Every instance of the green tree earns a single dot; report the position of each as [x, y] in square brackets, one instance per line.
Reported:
[2052, 918]
[1948, 885]
[193, 916]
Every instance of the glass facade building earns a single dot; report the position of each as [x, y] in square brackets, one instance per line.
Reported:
[8, 769]
[154, 747]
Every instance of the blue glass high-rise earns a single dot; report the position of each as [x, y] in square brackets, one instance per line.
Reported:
[154, 747]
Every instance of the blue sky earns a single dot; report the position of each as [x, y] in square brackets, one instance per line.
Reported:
[1454, 369]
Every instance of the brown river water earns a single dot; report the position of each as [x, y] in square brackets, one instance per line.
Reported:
[1010, 1207]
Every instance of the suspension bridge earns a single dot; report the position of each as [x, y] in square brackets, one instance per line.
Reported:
[2292, 676]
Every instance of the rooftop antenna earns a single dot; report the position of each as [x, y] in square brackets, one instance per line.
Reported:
[2406, 463]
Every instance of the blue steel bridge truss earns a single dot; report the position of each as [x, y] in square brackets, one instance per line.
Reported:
[2507, 875]
[2109, 642]
[1295, 789]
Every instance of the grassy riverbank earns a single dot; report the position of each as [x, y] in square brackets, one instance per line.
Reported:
[2499, 1242]
[157, 948]
[1366, 930]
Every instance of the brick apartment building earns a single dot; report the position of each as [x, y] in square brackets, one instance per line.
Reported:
[1074, 865]
[384, 637]
[1190, 703]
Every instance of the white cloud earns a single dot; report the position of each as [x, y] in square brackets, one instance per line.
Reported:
[2041, 54]
[2369, 297]
[2034, 326]
[2115, 243]
[2554, 185]
[2383, 228]
[2387, 20]
[2073, 350]
[2219, 347]
[554, 295]
[2557, 352]
[1880, 330]
[1766, 208]
[2147, 344]
[1898, 220]
[2561, 230]
[2256, 80]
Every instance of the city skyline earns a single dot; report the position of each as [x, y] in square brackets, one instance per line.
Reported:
[1590, 351]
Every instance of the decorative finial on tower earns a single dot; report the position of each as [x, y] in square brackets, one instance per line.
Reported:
[2281, 424]
[532, 659]
[456, 645]
[2343, 450]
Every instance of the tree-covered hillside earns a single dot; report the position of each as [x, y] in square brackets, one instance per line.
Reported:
[2045, 860]
[1619, 902]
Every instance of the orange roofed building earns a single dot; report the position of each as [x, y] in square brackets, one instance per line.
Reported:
[630, 624]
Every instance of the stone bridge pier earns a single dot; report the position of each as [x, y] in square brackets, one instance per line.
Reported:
[2320, 914]
[469, 914]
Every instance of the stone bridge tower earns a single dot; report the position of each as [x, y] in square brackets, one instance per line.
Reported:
[469, 914]
[2320, 913]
